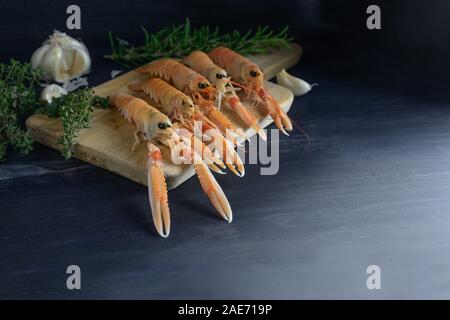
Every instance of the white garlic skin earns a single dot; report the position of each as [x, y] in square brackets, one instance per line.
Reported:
[62, 58]
[52, 91]
[298, 86]
[115, 73]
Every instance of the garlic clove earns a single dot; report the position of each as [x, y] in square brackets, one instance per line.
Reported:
[51, 62]
[38, 55]
[68, 56]
[52, 91]
[81, 63]
[298, 86]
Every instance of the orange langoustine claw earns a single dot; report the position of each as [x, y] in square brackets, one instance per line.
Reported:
[156, 129]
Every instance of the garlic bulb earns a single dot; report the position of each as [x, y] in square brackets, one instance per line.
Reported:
[52, 91]
[298, 86]
[62, 58]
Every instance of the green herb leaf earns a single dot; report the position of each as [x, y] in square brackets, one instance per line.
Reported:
[74, 110]
[178, 41]
[18, 97]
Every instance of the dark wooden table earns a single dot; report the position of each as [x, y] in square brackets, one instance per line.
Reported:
[370, 187]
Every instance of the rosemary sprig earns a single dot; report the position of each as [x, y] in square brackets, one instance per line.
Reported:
[177, 41]
[74, 110]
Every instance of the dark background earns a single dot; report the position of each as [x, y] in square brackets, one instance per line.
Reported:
[370, 187]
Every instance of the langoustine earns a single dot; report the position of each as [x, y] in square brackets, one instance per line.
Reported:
[156, 130]
[181, 109]
[249, 76]
[195, 86]
[201, 62]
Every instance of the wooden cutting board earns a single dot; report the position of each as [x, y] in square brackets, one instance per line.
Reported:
[108, 141]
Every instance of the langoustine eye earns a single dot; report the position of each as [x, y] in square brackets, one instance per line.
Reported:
[163, 125]
[202, 85]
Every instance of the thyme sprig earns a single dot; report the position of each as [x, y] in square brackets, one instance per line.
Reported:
[177, 41]
[18, 97]
[74, 110]
[20, 85]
